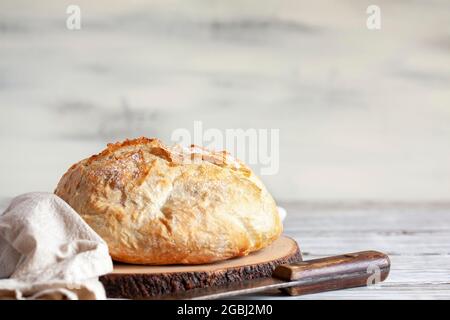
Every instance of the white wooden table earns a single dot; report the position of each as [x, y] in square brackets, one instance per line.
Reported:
[415, 236]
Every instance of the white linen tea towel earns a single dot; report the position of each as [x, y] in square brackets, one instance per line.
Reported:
[47, 251]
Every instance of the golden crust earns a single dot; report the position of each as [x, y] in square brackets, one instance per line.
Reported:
[155, 204]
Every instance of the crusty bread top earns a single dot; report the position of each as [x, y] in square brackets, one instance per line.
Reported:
[157, 204]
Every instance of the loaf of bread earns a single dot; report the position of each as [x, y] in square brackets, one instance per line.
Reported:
[155, 204]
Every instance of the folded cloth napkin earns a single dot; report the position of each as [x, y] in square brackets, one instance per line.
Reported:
[48, 252]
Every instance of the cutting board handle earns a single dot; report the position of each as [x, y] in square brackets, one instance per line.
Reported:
[349, 270]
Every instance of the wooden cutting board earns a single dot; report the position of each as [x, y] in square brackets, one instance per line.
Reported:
[137, 281]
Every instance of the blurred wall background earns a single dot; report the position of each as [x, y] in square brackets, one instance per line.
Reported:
[362, 114]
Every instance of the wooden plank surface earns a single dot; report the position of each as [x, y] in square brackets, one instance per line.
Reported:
[415, 236]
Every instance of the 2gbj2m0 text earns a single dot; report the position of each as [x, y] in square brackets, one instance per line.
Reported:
[232, 309]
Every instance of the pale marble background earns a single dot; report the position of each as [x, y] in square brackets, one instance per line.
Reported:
[363, 114]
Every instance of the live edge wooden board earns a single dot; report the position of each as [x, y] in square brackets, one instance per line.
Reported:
[136, 281]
